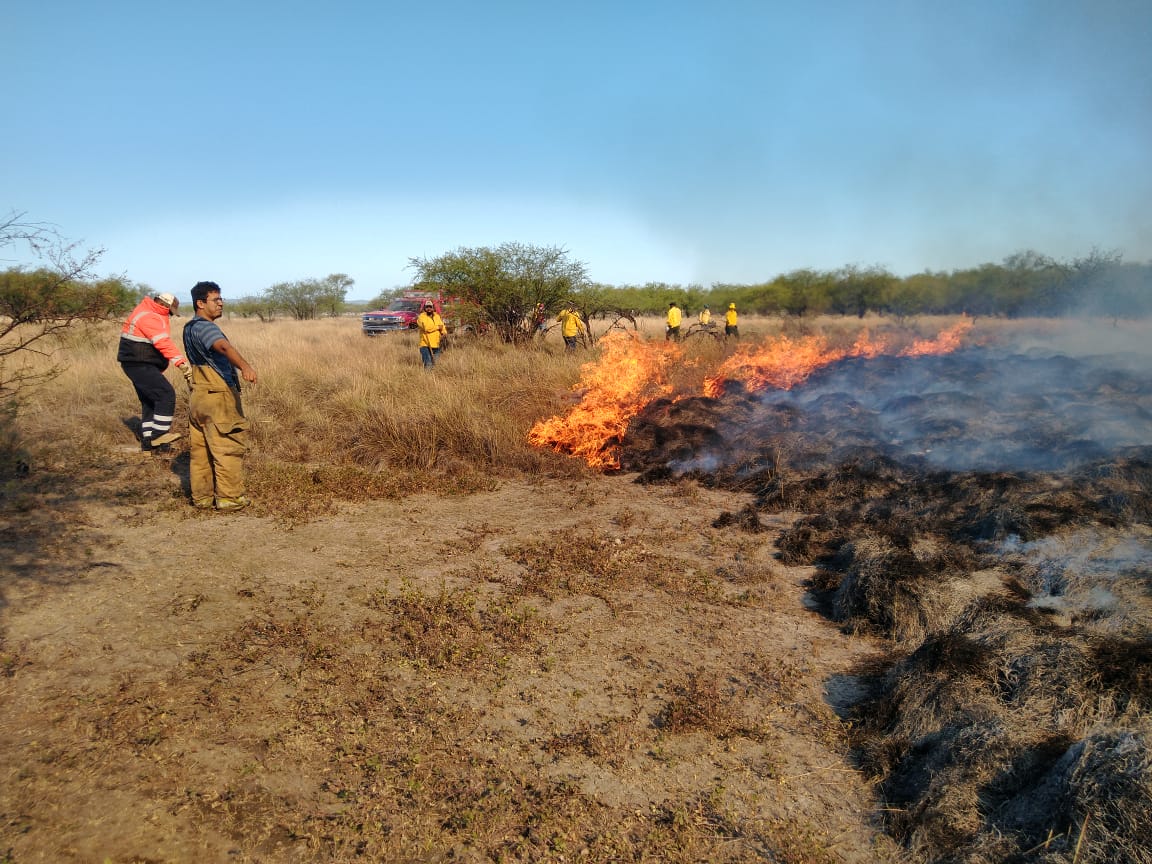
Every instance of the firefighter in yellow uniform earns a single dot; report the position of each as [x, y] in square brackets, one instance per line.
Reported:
[672, 331]
[730, 322]
[431, 327]
[570, 327]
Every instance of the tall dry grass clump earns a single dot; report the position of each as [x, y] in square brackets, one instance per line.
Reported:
[335, 414]
[329, 394]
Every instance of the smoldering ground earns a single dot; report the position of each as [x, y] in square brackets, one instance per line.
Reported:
[988, 514]
[976, 409]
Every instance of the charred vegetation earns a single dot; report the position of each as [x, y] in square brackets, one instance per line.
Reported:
[988, 516]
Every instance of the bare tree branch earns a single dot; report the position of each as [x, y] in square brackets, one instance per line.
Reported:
[38, 306]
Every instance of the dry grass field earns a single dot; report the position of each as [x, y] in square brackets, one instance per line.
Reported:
[429, 640]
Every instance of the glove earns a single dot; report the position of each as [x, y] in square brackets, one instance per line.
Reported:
[186, 369]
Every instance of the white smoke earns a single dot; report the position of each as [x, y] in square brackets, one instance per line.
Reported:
[1093, 573]
[981, 408]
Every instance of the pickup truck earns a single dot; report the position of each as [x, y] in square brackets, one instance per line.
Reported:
[401, 313]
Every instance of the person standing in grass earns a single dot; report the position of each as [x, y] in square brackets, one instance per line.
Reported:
[570, 326]
[146, 349]
[705, 317]
[672, 331]
[538, 316]
[218, 430]
[432, 329]
[730, 323]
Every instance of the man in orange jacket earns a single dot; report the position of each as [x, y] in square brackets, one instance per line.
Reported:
[146, 349]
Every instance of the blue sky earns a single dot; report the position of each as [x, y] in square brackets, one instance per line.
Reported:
[256, 142]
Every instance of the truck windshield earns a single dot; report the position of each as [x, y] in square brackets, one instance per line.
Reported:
[404, 306]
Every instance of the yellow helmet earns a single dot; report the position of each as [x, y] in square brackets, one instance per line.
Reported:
[731, 305]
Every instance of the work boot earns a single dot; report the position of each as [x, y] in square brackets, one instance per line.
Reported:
[229, 504]
[166, 438]
[203, 503]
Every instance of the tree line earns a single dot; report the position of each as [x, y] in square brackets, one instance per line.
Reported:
[498, 287]
[502, 284]
[510, 289]
[1024, 284]
[303, 299]
[507, 288]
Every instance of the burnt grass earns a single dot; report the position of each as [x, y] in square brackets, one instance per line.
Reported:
[978, 513]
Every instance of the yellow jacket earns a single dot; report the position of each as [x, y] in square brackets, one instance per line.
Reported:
[570, 323]
[431, 327]
[730, 317]
[674, 316]
[705, 316]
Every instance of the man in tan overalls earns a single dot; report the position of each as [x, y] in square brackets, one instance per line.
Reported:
[217, 427]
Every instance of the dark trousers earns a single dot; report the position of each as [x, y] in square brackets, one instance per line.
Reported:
[157, 399]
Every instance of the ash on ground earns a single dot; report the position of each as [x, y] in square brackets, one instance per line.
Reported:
[989, 515]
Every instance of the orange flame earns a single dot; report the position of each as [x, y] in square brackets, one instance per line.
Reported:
[629, 374]
[945, 343]
[782, 363]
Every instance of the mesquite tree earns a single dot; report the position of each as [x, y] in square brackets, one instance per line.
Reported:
[502, 287]
[307, 299]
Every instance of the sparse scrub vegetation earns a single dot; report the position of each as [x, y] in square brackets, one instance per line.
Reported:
[313, 729]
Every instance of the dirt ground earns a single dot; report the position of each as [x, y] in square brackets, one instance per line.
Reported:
[554, 670]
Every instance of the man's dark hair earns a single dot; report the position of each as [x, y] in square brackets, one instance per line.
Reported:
[201, 290]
